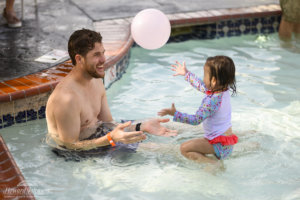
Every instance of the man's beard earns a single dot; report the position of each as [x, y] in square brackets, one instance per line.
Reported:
[93, 73]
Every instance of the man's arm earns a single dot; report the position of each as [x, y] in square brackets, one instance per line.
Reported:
[67, 116]
[67, 119]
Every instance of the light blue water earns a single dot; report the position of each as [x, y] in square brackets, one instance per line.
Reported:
[266, 117]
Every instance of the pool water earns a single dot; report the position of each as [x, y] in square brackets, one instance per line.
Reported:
[266, 117]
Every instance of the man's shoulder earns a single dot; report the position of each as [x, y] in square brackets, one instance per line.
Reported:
[63, 94]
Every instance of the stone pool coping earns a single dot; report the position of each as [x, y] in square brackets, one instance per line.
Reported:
[12, 182]
[117, 42]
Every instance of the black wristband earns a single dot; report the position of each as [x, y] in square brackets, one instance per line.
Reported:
[138, 127]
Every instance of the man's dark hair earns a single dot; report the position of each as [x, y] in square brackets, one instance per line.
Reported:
[81, 42]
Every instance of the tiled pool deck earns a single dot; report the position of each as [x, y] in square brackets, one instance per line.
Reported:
[24, 99]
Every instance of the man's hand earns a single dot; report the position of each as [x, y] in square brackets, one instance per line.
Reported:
[167, 111]
[153, 127]
[119, 135]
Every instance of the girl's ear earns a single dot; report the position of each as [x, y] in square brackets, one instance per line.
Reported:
[213, 82]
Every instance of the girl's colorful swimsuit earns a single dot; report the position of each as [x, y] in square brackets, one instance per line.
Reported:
[214, 112]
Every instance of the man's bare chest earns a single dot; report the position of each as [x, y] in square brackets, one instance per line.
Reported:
[90, 109]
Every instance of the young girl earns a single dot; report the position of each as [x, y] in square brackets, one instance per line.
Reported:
[214, 112]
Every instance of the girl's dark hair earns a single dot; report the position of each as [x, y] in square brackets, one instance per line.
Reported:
[81, 42]
[223, 69]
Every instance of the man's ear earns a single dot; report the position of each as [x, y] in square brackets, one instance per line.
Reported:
[78, 58]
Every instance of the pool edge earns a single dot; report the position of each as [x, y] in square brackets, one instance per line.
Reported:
[12, 183]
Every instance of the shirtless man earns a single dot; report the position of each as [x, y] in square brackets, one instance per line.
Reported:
[79, 101]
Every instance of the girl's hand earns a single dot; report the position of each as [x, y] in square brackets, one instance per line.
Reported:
[179, 69]
[167, 111]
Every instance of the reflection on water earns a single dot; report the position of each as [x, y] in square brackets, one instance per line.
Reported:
[266, 117]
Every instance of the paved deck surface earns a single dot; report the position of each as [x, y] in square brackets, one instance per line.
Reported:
[50, 25]
[110, 9]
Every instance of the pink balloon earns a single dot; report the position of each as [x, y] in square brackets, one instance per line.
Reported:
[150, 28]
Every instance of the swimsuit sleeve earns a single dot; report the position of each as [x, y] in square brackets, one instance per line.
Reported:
[195, 81]
[210, 105]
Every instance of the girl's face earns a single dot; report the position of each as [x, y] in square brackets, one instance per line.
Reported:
[210, 84]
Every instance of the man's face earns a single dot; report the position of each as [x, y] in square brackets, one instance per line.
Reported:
[94, 60]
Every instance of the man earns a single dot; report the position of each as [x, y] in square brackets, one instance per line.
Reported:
[290, 20]
[79, 101]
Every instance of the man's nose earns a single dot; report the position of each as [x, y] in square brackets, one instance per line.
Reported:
[102, 59]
